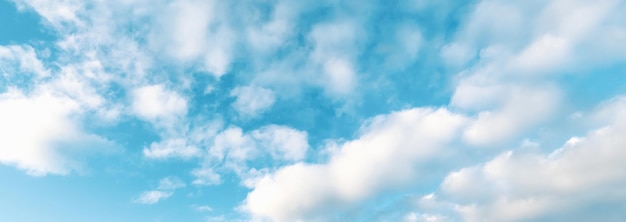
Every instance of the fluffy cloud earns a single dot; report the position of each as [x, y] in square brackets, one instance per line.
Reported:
[518, 60]
[237, 151]
[513, 117]
[66, 11]
[526, 185]
[156, 103]
[206, 176]
[282, 142]
[233, 144]
[24, 59]
[511, 57]
[41, 122]
[195, 32]
[183, 140]
[387, 155]
[268, 35]
[31, 138]
[42, 142]
[252, 100]
[334, 51]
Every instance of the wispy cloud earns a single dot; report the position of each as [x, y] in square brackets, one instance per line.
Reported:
[165, 190]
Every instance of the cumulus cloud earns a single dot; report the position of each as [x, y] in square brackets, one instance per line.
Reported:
[521, 109]
[24, 59]
[387, 155]
[156, 103]
[236, 149]
[41, 123]
[510, 56]
[194, 32]
[66, 11]
[206, 176]
[279, 141]
[183, 140]
[31, 139]
[334, 51]
[518, 185]
[512, 84]
[233, 144]
[282, 142]
[268, 35]
[252, 100]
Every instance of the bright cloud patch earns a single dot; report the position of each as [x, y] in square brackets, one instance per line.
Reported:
[389, 154]
[40, 133]
[156, 102]
[282, 142]
[484, 110]
[31, 137]
[252, 100]
[527, 185]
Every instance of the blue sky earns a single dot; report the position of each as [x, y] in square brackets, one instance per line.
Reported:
[269, 110]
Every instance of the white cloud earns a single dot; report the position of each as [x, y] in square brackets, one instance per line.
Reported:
[77, 82]
[24, 58]
[544, 55]
[566, 183]
[220, 52]
[152, 196]
[164, 191]
[30, 136]
[522, 109]
[341, 76]
[334, 50]
[170, 183]
[456, 54]
[206, 176]
[171, 148]
[512, 85]
[267, 37]
[183, 140]
[195, 32]
[234, 144]
[282, 142]
[41, 116]
[42, 142]
[252, 100]
[156, 103]
[188, 24]
[235, 149]
[387, 155]
[65, 11]
[544, 37]
[519, 42]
